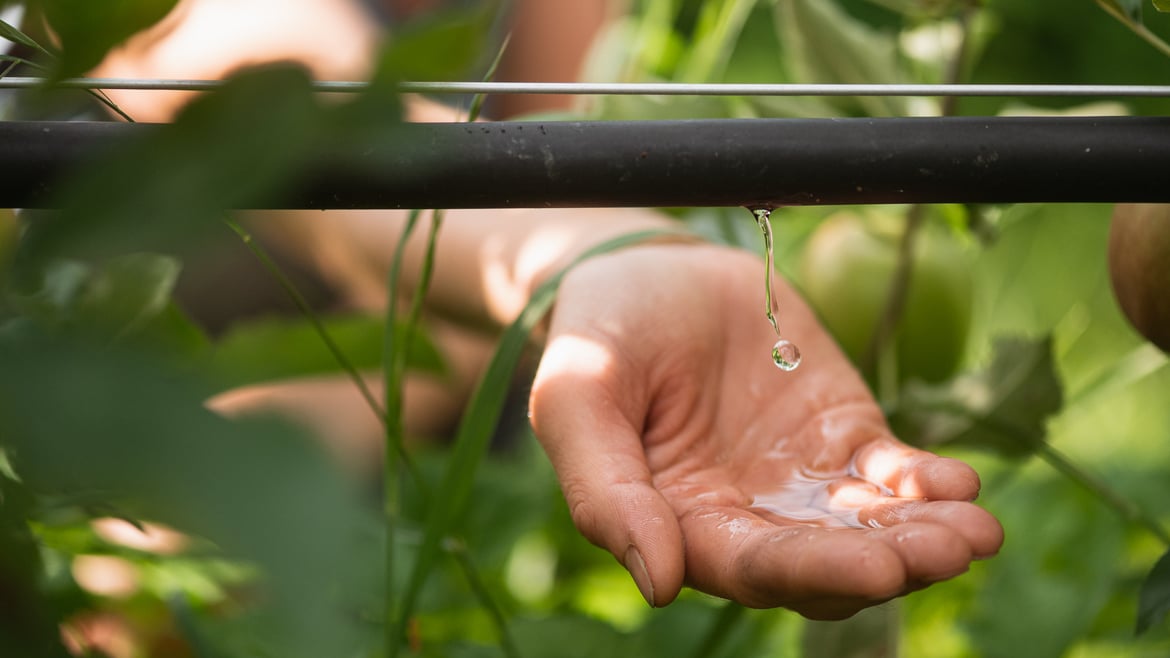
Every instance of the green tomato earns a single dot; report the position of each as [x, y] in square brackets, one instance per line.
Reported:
[1139, 268]
[846, 270]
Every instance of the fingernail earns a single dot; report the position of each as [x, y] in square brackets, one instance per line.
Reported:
[637, 568]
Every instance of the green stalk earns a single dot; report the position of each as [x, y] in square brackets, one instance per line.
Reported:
[1137, 28]
[392, 354]
[471, 573]
[309, 314]
[479, 421]
[1125, 508]
[715, 45]
[396, 624]
[875, 355]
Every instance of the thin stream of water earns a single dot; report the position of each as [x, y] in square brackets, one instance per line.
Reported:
[785, 354]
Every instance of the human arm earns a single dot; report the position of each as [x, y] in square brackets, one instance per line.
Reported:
[669, 428]
[689, 456]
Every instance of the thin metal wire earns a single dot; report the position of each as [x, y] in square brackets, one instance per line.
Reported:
[637, 89]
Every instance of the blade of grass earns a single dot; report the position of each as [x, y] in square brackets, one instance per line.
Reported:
[478, 100]
[393, 373]
[716, 37]
[394, 392]
[479, 423]
[309, 314]
[471, 573]
[13, 34]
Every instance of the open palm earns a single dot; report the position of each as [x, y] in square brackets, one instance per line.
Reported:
[685, 452]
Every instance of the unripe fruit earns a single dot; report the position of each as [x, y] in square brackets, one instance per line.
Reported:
[846, 272]
[1139, 268]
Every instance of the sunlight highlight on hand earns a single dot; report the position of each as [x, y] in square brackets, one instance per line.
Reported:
[683, 451]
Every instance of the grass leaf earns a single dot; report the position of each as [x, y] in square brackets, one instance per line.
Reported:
[479, 423]
[13, 34]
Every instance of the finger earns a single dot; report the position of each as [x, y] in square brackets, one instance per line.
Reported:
[599, 459]
[977, 528]
[816, 571]
[911, 473]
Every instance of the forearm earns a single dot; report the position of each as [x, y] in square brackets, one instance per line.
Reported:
[487, 262]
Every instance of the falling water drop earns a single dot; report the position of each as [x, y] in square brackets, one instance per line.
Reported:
[785, 354]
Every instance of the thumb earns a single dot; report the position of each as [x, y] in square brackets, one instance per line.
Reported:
[599, 460]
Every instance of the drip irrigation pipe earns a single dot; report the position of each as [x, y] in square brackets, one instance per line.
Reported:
[752, 162]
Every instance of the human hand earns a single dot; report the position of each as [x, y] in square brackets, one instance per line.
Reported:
[683, 450]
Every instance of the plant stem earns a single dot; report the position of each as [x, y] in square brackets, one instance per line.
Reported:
[915, 216]
[306, 310]
[899, 289]
[1126, 508]
[463, 558]
[400, 345]
[1137, 28]
[392, 376]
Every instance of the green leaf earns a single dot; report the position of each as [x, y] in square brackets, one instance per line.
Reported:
[13, 34]
[126, 293]
[479, 422]
[443, 47]
[1162, 5]
[719, 27]
[127, 297]
[1154, 598]
[124, 430]
[28, 626]
[231, 148]
[1003, 408]
[88, 30]
[278, 348]
[1048, 586]
[823, 44]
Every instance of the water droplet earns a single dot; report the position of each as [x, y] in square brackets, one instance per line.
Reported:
[786, 355]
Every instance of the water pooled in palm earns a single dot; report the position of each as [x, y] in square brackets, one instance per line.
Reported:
[785, 354]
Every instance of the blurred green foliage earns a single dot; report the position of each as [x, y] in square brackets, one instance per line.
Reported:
[103, 377]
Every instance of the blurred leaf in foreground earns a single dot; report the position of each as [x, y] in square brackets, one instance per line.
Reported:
[443, 47]
[88, 30]
[27, 626]
[123, 431]
[1154, 599]
[126, 298]
[1003, 408]
[233, 148]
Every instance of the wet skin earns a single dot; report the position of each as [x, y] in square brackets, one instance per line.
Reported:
[685, 452]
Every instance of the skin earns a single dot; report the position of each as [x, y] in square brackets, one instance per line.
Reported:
[656, 398]
[658, 404]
